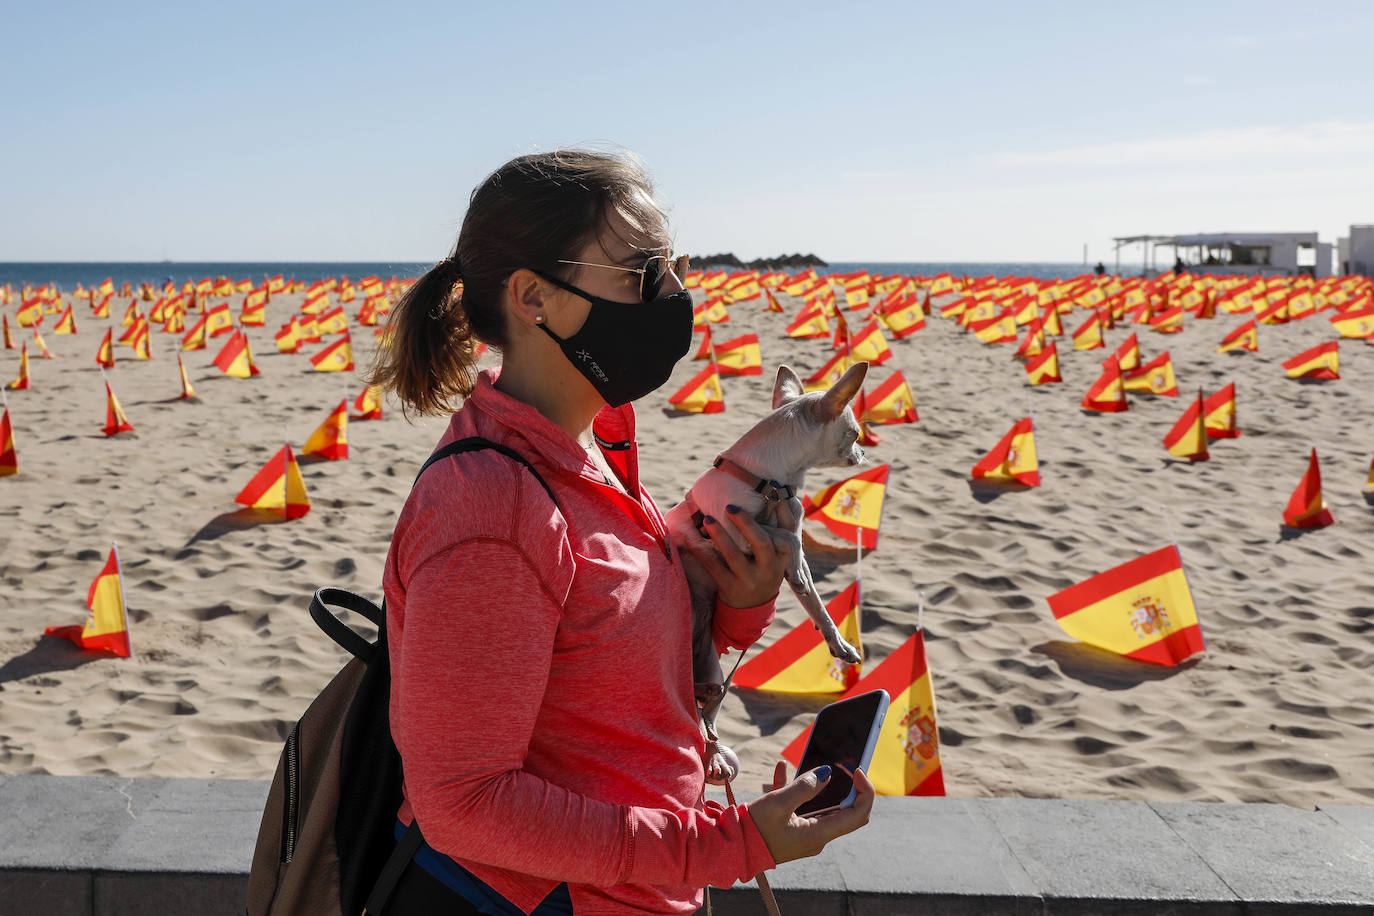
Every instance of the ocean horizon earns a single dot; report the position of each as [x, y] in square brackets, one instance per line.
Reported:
[67, 274]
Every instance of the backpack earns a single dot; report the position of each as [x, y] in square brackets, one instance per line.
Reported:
[326, 844]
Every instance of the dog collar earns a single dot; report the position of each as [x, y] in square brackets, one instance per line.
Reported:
[770, 490]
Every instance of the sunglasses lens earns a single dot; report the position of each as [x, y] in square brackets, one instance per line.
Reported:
[655, 270]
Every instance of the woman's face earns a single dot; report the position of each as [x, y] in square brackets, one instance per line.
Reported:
[618, 245]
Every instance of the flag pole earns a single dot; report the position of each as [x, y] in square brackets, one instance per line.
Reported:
[858, 576]
[920, 610]
[123, 603]
[286, 477]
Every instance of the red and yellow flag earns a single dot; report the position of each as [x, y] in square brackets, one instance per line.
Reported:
[107, 624]
[903, 317]
[1141, 609]
[1013, 458]
[235, 358]
[254, 315]
[1219, 413]
[1108, 393]
[906, 759]
[1320, 362]
[30, 312]
[1369, 483]
[187, 392]
[1358, 323]
[1273, 313]
[219, 320]
[66, 322]
[289, 337]
[1244, 337]
[278, 485]
[852, 508]
[829, 374]
[368, 403]
[1188, 437]
[333, 321]
[999, 329]
[891, 402]
[1033, 344]
[115, 421]
[105, 355]
[1169, 321]
[330, 438]
[1043, 368]
[22, 382]
[141, 343]
[1089, 334]
[1306, 508]
[1156, 377]
[740, 356]
[196, 338]
[771, 301]
[43, 351]
[809, 323]
[9, 339]
[337, 357]
[9, 458]
[800, 661]
[869, 344]
[1127, 355]
[702, 394]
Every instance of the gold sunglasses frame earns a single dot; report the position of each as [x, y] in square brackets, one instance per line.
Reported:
[676, 265]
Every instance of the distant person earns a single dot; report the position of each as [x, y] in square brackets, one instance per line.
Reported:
[1179, 266]
[1100, 269]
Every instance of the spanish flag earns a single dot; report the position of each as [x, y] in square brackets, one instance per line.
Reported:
[22, 382]
[131, 314]
[852, 508]
[891, 402]
[740, 356]
[9, 458]
[859, 406]
[800, 661]
[903, 319]
[9, 339]
[337, 357]
[330, 438]
[1049, 320]
[316, 301]
[66, 323]
[253, 315]
[1370, 482]
[277, 486]
[1188, 437]
[333, 321]
[1156, 377]
[1320, 362]
[1301, 306]
[289, 337]
[1273, 313]
[702, 394]
[187, 392]
[218, 320]
[1219, 412]
[1141, 609]
[1244, 337]
[175, 323]
[809, 323]
[1306, 508]
[30, 313]
[101, 309]
[771, 301]
[715, 311]
[1043, 368]
[141, 343]
[1169, 321]
[1108, 393]
[106, 288]
[999, 329]
[1013, 458]
[43, 351]
[1033, 344]
[107, 624]
[868, 344]
[828, 374]
[1127, 355]
[1359, 323]
[368, 403]
[1089, 334]
[196, 338]
[235, 358]
[104, 356]
[115, 421]
[957, 308]
[906, 760]
[706, 350]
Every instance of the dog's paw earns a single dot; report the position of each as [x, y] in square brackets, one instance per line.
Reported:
[842, 650]
[723, 766]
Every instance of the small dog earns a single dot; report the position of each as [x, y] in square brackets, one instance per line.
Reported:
[763, 474]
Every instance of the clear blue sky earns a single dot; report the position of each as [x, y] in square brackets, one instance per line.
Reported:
[884, 131]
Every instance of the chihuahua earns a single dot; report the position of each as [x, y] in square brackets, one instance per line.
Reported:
[762, 475]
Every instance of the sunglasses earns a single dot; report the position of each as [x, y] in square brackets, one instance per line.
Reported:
[651, 275]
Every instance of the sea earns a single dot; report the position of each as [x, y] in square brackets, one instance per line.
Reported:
[68, 274]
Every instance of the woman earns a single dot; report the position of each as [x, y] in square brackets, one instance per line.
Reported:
[542, 697]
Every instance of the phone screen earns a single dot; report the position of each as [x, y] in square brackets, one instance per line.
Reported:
[838, 738]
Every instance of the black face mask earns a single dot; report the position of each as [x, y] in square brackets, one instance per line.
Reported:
[627, 349]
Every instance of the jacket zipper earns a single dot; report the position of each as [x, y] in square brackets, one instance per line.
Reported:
[290, 812]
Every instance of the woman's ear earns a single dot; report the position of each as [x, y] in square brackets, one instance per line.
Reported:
[528, 297]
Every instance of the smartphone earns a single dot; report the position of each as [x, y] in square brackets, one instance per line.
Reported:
[843, 736]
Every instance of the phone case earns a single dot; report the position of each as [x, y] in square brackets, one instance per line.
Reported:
[870, 743]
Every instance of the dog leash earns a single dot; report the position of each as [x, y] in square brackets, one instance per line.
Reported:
[770, 902]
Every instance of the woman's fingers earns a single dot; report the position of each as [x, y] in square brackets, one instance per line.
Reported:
[739, 562]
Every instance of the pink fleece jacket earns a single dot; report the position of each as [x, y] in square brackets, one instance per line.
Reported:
[541, 690]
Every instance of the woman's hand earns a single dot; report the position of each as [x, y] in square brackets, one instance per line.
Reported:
[791, 836]
[742, 580]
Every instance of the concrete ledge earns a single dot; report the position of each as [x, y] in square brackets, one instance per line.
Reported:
[100, 845]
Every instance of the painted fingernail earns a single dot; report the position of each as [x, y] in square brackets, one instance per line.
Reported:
[732, 509]
[710, 520]
[822, 772]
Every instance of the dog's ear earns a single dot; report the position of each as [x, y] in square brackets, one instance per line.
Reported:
[834, 401]
[787, 387]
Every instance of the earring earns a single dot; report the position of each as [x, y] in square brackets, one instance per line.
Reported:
[538, 319]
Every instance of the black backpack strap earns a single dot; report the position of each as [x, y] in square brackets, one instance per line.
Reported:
[396, 863]
[477, 444]
[339, 631]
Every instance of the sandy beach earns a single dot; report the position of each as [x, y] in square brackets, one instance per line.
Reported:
[1279, 708]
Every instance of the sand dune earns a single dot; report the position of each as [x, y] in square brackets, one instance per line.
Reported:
[1280, 708]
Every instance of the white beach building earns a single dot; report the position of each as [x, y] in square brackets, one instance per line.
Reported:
[1270, 253]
